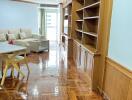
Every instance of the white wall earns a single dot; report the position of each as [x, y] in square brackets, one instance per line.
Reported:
[120, 46]
[18, 15]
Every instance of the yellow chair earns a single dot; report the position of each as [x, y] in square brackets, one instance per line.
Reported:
[14, 61]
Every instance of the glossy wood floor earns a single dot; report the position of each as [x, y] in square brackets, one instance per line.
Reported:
[51, 78]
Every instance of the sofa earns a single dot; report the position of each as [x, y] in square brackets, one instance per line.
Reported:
[24, 37]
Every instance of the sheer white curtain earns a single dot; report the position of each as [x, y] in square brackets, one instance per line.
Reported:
[42, 22]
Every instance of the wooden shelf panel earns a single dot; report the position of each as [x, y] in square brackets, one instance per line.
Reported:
[90, 25]
[94, 5]
[67, 3]
[80, 10]
[90, 2]
[79, 25]
[80, 20]
[81, 2]
[90, 49]
[78, 41]
[78, 30]
[79, 35]
[91, 34]
[93, 17]
[90, 40]
[79, 14]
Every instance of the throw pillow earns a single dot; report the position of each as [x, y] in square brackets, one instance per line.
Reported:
[11, 42]
[14, 31]
[23, 35]
[11, 36]
[2, 37]
[28, 32]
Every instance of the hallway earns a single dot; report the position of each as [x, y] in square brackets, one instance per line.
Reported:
[51, 78]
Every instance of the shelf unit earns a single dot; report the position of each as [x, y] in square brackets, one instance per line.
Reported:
[67, 28]
[87, 23]
[67, 19]
[82, 36]
[86, 38]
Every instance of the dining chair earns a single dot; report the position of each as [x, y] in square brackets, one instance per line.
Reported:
[14, 61]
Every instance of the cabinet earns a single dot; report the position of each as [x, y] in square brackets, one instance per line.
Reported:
[87, 63]
[83, 20]
[67, 27]
[77, 53]
[87, 18]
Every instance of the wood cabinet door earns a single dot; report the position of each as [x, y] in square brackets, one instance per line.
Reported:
[89, 64]
[78, 60]
[83, 60]
[74, 52]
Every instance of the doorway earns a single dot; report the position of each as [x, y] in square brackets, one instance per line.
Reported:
[49, 23]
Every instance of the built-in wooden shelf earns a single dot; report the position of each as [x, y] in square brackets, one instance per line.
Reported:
[68, 3]
[80, 10]
[80, 20]
[78, 30]
[93, 5]
[93, 17]
[81, 2]
[91, 34]
[91, 49]
[78, 41]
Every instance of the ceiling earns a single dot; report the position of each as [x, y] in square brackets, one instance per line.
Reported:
[41, 1]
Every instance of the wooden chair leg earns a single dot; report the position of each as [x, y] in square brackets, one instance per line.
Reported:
[12, 72]
[5, 72]
[26, 62]
[17, 68]
[18, 72]
[3, 65]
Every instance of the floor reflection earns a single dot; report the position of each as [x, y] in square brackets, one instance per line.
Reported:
[51, 78]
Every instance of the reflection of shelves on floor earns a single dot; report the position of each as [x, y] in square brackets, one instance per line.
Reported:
[93, 17]
[91, 33]
[92, 5]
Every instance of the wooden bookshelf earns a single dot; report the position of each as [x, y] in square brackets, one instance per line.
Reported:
[83, 19]
[67, 9]
[85, 35]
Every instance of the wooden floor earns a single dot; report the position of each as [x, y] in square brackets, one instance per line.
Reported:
[51, 78]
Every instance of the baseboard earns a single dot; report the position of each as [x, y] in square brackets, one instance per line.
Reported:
[103, 94]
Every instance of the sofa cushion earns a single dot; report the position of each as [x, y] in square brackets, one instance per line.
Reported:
[15, 31]
[27, 31]
[11, 36]
[2, 37]
[23, 35]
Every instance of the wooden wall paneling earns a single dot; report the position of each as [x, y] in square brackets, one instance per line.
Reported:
[129, 97]
[96, 68]
[103, 40]
[116, 84]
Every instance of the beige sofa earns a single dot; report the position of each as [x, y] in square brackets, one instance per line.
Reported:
[24, 37]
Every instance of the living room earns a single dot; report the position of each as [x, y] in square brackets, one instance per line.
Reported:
[65, 50]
